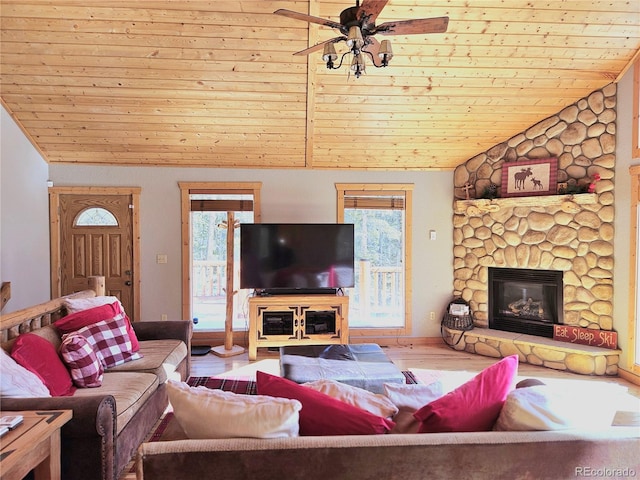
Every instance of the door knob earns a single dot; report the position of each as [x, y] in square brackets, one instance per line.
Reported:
[128, 283]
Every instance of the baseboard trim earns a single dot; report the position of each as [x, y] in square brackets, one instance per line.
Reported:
[398, 341]
[241, 337]
[629, 376]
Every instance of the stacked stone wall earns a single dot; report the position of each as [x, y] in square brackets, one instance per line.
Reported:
[570, 236]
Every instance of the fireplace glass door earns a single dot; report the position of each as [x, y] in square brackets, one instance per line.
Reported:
[525, 301]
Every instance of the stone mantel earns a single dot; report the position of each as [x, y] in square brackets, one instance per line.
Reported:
[568, 203]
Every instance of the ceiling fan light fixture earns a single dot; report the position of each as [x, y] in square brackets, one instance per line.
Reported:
[354, 39]
[385, 53]
[358, 66]
[329, 54]
[358, 28]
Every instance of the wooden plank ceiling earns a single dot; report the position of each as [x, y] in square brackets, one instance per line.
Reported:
[214, 83]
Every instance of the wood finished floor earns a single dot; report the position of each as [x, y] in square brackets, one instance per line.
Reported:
[406, 357]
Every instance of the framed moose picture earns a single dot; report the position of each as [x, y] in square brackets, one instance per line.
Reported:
[526, 178]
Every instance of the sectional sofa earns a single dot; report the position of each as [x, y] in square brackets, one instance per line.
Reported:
[609, 453]
[109, 422]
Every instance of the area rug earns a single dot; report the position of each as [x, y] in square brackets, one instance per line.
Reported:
[246, 387]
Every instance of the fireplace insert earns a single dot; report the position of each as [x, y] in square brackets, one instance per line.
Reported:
[525, 301]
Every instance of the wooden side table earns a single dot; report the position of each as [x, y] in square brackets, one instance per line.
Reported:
[34, 444]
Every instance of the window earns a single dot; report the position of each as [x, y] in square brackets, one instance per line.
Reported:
[380, 302]
[209, 212]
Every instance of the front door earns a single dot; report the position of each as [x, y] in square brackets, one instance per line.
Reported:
[95, 237]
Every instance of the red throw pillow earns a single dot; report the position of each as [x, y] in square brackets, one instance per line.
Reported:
[85, 367]
[40, 357]
[473, 406]
[322, 414]
[75, 321]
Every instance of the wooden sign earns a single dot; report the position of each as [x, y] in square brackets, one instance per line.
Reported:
[586, 336]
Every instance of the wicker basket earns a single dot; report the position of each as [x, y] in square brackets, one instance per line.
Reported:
[457, 322]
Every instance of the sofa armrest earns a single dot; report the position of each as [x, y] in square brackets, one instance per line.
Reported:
[92, 416]
[177, 329]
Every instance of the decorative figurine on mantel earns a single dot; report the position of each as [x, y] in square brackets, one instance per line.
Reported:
[490, 192]
[582, 186]
[467, 187]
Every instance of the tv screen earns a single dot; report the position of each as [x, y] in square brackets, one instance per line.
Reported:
[296, 256]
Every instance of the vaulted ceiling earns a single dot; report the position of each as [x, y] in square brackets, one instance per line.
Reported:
[214, 83]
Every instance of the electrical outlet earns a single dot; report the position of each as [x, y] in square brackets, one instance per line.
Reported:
[432, 315]
[163, 317]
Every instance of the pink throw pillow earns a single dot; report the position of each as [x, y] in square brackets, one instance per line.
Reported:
[110, 341]
[322, 414]
[475, 405]
[85, 367]
[40, 357]
[82, 318]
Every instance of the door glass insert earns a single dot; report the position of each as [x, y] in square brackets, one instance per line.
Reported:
[96, 217]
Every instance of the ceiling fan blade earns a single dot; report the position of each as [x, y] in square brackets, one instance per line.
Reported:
[416, 26]
[373, 47]
[369, 11]
[319, 46]
[308, 18]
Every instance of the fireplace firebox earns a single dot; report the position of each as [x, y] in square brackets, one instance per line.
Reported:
[525, 301]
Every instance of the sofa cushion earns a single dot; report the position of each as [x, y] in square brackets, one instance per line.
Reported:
[475, 405]
[40, 357]
[83, 363]
[414, 396]
[321, 414]
[110, 341]
[130, 390]
[540, 408]
[160, 357]
[210, 413]
[374, 403]
[86, 311]
[18, 382]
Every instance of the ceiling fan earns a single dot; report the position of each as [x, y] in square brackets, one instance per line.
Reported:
[358, 28]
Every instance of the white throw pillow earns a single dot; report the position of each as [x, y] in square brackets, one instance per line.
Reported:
[540, 408]
[18, 382]
[74, 305]
[358, 397]
[208, 413]
[413, 396]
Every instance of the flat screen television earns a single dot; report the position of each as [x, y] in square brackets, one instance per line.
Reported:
[285, 258]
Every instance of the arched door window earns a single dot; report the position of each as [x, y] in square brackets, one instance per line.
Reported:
[95, 217]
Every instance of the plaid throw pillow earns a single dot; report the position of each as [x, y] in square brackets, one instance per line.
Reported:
[85, 368]
[110, 341]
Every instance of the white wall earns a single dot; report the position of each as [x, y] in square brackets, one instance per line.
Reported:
[622, 222]
[287, 196]
[24, 214]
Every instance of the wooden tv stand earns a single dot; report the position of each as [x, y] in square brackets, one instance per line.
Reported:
[281, 320]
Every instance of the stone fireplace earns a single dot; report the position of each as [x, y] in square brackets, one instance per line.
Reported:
[525, 301]
[571, 235]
